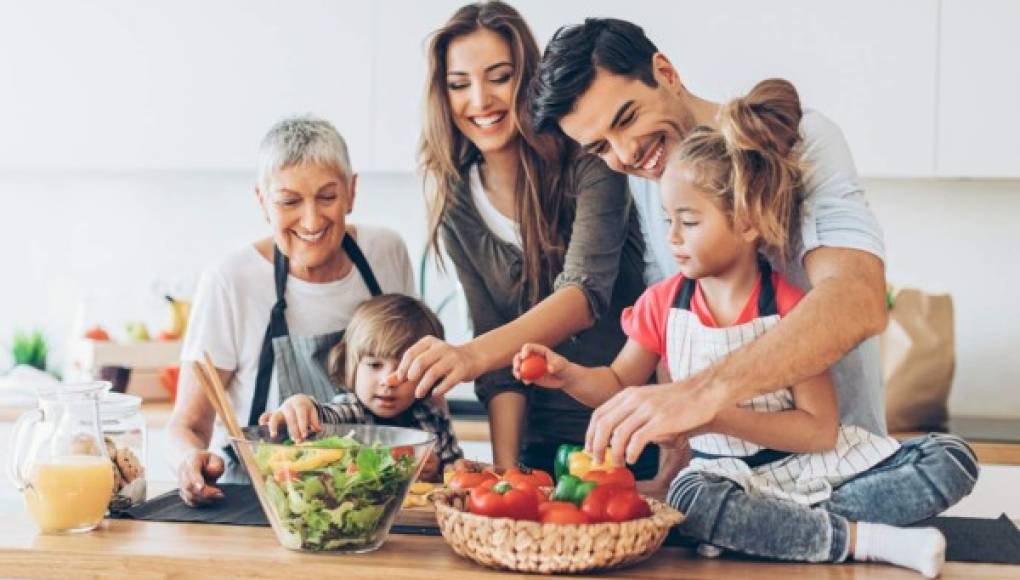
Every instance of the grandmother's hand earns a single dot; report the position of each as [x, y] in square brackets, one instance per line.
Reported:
[431, 362]
[196, 475]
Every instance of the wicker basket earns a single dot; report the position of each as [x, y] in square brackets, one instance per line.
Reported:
[527, 546]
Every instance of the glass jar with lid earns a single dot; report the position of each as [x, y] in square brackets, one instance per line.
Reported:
[125, 436]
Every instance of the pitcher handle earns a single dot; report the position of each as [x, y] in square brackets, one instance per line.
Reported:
[21, 426]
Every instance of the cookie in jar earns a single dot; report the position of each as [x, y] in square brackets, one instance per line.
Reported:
[124, 434]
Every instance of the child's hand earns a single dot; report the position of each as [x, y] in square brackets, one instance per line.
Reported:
[300, 415]
[554, 366]
[430, 471]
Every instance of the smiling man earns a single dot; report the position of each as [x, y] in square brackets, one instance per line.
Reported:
[605, 85]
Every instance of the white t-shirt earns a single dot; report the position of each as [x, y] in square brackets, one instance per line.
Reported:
[501, 226]
[231, 308]
[835, 214]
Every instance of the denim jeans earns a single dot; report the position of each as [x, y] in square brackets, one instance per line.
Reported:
[923, 478]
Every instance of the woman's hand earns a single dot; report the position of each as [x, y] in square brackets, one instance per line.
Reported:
[432, 362]
[554, 369]
[300, 415]
[195, 476]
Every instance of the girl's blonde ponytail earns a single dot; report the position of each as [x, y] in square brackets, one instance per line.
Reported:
[761, 132]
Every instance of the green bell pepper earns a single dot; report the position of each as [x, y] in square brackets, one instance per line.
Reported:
[572, 489]
[561, 463]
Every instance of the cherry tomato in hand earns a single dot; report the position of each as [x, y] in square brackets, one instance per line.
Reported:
[532, 367]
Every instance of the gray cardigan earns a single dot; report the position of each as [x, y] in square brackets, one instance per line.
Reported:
[604, 260]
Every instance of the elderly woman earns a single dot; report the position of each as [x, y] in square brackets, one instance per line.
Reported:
[268, 313]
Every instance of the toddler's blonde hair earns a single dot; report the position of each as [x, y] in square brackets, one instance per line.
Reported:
[384, 326]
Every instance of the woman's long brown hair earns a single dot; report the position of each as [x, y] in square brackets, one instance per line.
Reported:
[544, 210]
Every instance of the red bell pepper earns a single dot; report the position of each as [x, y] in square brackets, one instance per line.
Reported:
[503, 500]
[612, 503]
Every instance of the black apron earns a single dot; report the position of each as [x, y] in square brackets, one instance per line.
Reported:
[299, 361]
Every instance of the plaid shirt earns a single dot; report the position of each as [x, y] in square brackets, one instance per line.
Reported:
[346, 408]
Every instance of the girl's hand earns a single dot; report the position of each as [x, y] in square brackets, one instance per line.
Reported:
[432, 362]
[555, 366]
[300, 415]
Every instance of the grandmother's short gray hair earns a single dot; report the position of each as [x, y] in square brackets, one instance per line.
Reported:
[304, 139]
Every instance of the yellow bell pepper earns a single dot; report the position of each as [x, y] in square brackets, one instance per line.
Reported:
[316, 458]
[421, 487]
[581, 462]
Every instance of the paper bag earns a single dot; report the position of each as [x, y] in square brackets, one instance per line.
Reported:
[918, 360]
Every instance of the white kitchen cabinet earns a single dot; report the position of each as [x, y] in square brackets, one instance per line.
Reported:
[400, 42]
[979, 89]
[868, 65]
[119, 84]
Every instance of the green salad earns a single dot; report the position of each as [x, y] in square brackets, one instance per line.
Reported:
[335, 492]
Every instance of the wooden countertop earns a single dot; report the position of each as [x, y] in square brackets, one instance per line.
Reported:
[134, 549]
[158, 413]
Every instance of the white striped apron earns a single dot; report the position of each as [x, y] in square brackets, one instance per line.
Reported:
[804, 478]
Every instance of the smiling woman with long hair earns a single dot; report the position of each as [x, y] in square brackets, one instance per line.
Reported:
[543, 240]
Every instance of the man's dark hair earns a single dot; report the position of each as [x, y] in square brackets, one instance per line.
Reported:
[574, 54]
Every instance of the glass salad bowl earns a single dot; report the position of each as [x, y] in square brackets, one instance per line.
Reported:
[338, 491]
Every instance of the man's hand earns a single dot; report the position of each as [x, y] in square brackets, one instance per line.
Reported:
[637, 416]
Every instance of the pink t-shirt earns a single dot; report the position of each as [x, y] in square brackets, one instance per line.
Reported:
[645, 322]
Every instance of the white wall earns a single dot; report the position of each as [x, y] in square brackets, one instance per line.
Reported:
[116, 238]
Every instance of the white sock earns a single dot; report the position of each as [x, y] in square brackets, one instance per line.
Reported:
[920, 549]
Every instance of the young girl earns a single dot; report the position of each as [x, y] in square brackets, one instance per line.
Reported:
[381, 329]
[776, 476]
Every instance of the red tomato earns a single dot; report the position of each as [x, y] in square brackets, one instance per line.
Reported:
[502, 500]
[627, 506]
[550, 505]
[543, 496]
[594, 506]
[620, 476]
[404, 450]
[562, 512]
[533, 367]
[471, 479]
[535, 477]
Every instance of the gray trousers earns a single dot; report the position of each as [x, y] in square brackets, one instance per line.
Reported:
[923, 478]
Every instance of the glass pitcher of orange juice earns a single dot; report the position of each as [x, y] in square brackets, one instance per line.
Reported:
[58, 459]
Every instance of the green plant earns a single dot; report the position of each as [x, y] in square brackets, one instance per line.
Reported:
[29, 349]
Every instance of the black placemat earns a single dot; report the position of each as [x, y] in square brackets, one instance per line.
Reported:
[239, 506]
[988, 541]
[979, 540]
